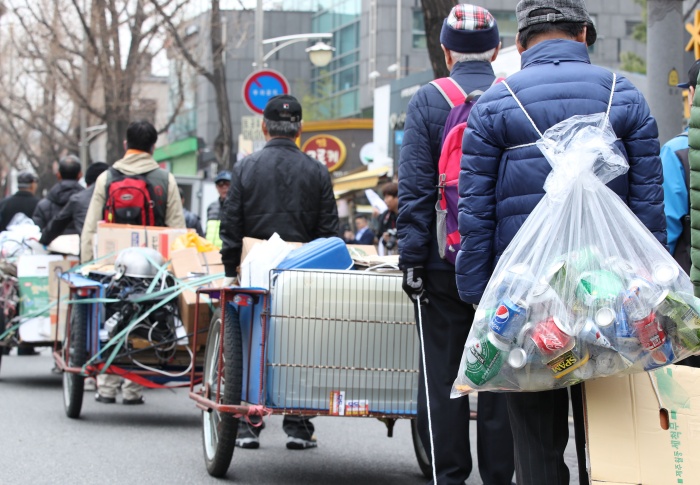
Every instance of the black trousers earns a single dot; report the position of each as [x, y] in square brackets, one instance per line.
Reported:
[540, 424]
[446, 321]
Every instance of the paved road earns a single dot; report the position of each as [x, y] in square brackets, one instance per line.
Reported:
[160, 442]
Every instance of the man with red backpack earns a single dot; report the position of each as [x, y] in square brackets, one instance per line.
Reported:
[470, 42]
[135, 190]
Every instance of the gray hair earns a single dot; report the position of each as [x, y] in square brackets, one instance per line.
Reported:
[287, 129]
[471, 56]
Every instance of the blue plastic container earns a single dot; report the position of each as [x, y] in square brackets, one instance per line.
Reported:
[322, 253]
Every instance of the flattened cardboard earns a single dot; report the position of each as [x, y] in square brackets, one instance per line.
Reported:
[626, 442]
[58, 322]
[361, 250]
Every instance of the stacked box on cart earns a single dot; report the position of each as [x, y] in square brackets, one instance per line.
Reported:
[341, 331]
[33, 278]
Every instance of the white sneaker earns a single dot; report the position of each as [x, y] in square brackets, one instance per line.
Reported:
[90, 384]
[301, 444]
[251, 443]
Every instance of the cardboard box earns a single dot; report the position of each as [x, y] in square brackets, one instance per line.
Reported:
[33, 280]
[189, 263]
[112, 238]
[644, 428]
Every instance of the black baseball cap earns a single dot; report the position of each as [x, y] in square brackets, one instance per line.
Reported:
[692, 76]
[283, 108]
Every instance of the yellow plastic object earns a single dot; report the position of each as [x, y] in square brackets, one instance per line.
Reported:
[192, 240]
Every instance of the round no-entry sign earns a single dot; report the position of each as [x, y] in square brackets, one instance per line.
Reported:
[260, 86]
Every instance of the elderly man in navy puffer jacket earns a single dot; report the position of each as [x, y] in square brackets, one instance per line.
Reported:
[470, 41]
[502, 178]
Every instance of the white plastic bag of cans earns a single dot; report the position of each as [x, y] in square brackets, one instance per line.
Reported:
[584, 290]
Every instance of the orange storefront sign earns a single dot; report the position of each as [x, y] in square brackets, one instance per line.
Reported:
[327, 149]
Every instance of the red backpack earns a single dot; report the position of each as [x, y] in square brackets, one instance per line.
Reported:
[135, 199]
[449, 163]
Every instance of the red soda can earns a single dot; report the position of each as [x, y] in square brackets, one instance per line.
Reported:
[550, 337]
[649, 332]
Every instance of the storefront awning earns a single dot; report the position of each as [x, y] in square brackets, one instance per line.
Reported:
[358, 181]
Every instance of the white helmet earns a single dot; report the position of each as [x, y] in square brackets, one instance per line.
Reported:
[138, 262]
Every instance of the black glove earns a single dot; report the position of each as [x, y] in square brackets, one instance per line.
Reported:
[412, 284]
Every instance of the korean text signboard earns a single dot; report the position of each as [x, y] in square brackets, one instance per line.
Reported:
[327, 149]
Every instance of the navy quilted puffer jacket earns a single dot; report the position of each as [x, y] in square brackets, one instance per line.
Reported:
[499, 188]
[418, 166]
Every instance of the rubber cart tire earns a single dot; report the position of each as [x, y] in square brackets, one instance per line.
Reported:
[74, 384]
[219, 430]
[426, 466]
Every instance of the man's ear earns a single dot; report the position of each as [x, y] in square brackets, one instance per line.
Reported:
[448, 57]
[582, 36]
[498, 49]
[125, 147]
[518, 45]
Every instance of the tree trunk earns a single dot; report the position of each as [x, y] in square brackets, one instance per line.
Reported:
[434, 13]
[224, 139]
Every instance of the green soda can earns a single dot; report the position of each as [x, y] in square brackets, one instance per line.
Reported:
[484, 359]
[685, 318]
[595, 288]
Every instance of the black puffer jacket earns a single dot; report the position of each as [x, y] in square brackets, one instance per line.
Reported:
[72, 214]
[278, 189]
[51, 205]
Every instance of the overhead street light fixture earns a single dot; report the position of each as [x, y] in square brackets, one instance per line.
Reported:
[320, 54]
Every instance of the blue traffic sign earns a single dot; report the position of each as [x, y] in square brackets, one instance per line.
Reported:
[260, 86]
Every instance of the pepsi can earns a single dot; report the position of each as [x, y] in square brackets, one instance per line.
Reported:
[509, 318]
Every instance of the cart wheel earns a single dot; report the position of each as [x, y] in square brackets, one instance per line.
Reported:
[219, 430]
[74, 384]
[426, 466]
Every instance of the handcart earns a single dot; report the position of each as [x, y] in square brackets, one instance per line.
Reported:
[318, 343]
[86, 349]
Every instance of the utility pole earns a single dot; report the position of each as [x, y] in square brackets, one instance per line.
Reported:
[665, 65]
[259, 48]
[84, 90]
